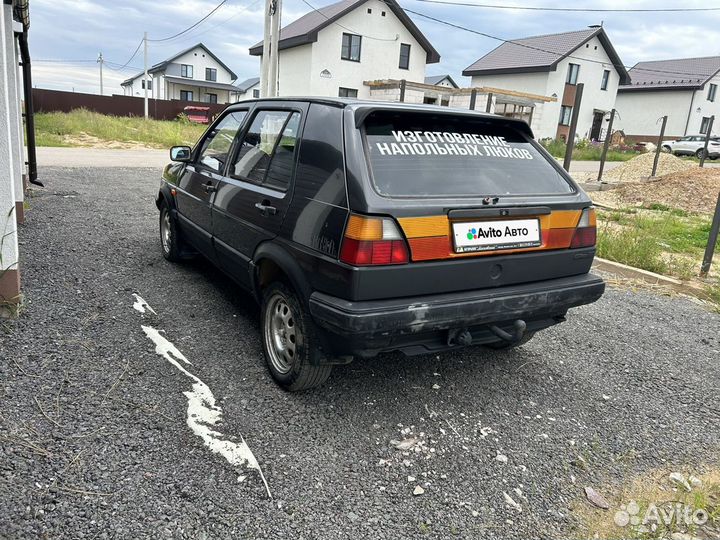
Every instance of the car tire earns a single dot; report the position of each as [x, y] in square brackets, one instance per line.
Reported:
[505, 346]
[290, 340]
[699, 153]
[665, 148]
[170, 242]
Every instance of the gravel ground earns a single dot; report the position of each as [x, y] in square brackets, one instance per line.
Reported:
[94, 441]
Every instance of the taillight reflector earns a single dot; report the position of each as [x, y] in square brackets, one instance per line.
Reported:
[373, 241]
[586, 231]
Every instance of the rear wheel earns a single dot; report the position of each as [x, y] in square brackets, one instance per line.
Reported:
[699, 153]
[665, 148]
[290, 340]
[504, 345]
[169, 237]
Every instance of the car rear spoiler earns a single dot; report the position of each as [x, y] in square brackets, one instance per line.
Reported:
[361, 112]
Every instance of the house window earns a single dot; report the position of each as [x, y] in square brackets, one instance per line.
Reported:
[186, 95]
[565, 115]
[351, 47]
[149, 84]
[404, 56]
[186, 70]
[347, 92]
[210, 74]
[256, 93]
[712, 90]
[211, 98]
[572, 74]
[704, 125]
[605, 79]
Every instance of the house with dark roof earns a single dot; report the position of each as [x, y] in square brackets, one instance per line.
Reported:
[684, 89]
[247, 89]
[332, 50]
[441, 80]
[195, 74]
[553, 65]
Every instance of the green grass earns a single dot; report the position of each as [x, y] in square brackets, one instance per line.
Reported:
[662, 240]
[60, 129]
[585, 151]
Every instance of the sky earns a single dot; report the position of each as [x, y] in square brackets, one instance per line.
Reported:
[66, 36]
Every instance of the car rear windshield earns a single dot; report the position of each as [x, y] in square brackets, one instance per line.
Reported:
[428, 155]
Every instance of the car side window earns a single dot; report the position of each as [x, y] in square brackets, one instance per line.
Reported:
[283, 161]
[216, 145]
[272, 135]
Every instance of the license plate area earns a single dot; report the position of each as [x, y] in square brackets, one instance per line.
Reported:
[495, 235]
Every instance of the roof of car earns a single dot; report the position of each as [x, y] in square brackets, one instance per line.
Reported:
[674, 74]
[361, 105]
[542, 53]
[305, 29]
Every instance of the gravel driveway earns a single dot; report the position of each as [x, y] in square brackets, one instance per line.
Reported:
[95, 441]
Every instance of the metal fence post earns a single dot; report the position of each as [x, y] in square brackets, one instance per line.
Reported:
[659, 144]
[488, 105]
[473, 97]
[712, 241]
[606, 145]
[402, 90]
[570, 143]
[707, 140]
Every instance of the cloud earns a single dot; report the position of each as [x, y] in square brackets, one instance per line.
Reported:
[79, 29]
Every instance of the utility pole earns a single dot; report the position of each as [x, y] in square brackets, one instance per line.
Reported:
[707, 140]
[269, 64]
[265, 60]
[100, 61]
[274, 44]
[145, 76]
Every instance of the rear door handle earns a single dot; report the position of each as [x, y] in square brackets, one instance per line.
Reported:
[266, 209]
[209, 187]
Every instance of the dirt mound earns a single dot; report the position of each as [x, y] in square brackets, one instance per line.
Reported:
[640, 167]
[693, 190]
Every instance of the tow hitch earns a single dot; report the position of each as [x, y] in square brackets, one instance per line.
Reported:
[519, 327]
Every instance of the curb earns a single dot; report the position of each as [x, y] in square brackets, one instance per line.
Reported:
[630, 272]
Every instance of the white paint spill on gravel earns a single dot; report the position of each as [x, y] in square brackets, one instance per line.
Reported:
[141, 305]
[203, 413]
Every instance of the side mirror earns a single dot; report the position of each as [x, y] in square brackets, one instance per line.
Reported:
[180, 153]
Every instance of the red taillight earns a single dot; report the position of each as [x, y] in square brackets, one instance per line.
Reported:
[373, 241]
[586, 231]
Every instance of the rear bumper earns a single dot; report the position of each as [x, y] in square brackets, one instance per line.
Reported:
[385, 320]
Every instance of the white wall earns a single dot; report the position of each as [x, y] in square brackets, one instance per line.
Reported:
[300, 67]
[8, 133]
[591, 75]
[707, 108]
[593, 60]
[639, 112]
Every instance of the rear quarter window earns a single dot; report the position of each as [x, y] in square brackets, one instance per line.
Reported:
[445, 156]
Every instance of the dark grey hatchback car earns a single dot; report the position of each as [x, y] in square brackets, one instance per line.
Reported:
[364, 227]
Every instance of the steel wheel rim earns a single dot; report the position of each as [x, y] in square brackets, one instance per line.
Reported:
[281, 334]
[165, 231]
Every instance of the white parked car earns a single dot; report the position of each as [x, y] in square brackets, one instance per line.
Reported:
[692, 145]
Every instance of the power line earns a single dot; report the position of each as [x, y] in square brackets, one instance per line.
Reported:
[345, 27]
[574, 10]
[130, 59]
[242, 10]
[222, 3]
[520, 44]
